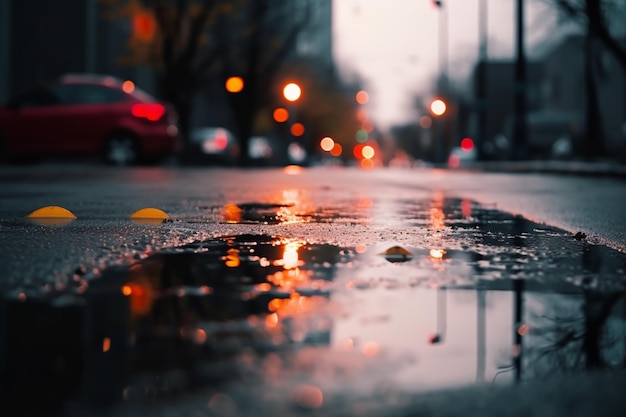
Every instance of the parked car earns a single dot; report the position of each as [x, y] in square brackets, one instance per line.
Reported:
[89, 115]
[549, 134]
[214, 145]
[461, 157]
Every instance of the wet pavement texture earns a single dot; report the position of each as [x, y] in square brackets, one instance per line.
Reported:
[266, 323]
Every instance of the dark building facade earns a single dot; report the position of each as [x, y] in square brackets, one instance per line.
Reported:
[42, 40]
[563, 87]
[500, 97]
[556, 95]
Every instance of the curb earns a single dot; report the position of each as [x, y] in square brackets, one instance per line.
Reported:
[599, 169]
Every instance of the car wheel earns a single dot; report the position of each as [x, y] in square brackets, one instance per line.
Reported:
[121, 150]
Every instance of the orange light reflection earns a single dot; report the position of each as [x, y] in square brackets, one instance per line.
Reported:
[290, 255]
[232, 213]
[437, 254]
[437, 218]
[232, 258]
[466, 208]
[106, 344]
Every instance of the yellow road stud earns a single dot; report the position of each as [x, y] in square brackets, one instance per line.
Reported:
[149, 215]
[52, 215]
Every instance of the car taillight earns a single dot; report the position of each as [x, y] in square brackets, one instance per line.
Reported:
[150, 111]
[221, 139]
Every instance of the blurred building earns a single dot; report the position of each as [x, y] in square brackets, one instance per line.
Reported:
[563, 86]
[41, 40]
[315, 41]
[556, 97]
[500, 101]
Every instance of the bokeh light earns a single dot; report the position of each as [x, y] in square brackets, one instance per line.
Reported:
[128, 86]
[337, 150]
[368, 152]
[362, 97]
[367, 163]
[297, 129]
[234, 84]
[438, 107]
[292, 92]
[361, 136]
[426, 122]
[281, 115]
[144, 26]
[296, 152]
[467, 144]
[356, 151]
[327, 144]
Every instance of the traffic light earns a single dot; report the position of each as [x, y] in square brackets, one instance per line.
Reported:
[467, 144]
[234, 84]
[144, 26]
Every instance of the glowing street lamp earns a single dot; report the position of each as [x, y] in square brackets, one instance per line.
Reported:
[234, 84]
[327, 144]
[292, 92]
[438, 107]
[368, 152]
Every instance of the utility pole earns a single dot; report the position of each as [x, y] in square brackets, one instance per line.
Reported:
[5, 48]
[482, 78]
[91, 26]
[443, 48]
[519, 133]
[440, 124]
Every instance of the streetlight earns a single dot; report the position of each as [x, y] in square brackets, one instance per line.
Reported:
[234, 84]
[296, 152]
[438, 107]
[292, 92]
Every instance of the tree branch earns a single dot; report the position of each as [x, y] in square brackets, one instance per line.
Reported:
[277, 59]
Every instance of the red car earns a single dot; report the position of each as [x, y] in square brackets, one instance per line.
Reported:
[89, 115]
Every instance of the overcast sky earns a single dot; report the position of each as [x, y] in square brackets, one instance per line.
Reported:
[393, 44]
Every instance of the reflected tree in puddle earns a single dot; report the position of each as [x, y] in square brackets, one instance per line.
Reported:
[254, 308]
[589, 337]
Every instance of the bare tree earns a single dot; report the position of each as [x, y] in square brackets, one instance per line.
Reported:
[594, 16]
[196, 40]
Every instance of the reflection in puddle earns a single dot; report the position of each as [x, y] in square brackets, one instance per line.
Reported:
[293, 208]
[516, 300]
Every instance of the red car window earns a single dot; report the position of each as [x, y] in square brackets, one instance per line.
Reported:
[88, 94]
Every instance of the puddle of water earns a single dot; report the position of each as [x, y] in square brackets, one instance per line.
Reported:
[488, 297]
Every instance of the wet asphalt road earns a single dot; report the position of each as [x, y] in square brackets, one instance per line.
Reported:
[310, 285]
